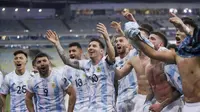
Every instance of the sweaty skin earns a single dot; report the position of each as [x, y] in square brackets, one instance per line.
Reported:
[158, 81]
[141, 61]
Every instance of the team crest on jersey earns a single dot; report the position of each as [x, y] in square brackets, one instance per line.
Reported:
[53, 84]
[98, 69]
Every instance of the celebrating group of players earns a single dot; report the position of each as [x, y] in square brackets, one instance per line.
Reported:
[151, 75]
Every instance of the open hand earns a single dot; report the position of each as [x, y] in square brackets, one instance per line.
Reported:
[102, 30]
[52, 36]
[156, 108]
[129, 16]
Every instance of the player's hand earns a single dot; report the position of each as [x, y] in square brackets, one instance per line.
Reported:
[102, 30]
[156, 108]
[178, 23]
[52, 36]
[115, 25]
[129, 16]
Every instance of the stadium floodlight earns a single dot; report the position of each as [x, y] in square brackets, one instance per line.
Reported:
[28, 10]
[76, 35]
[175, 11]
[3, 9]
[70, 30]
[17, 36]
[185, 10]
[40, 10]
[16, 9]
[189, 10]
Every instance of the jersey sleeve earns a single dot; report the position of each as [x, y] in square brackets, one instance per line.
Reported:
[5, 86]
[83, 63]
[30, 85]
[1, 78]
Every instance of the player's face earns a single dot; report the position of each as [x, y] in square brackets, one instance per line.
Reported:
[180, 36]
[156, 41]
[94, 49]
[42, 64]
[121, 44]
[75, 52]
[20, 61]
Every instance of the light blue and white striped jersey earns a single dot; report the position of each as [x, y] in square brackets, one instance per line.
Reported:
[101, 85]
[79, 81]
[49, 91]
[1, 78]
[173, 76]
[16, 85]
[127, 86]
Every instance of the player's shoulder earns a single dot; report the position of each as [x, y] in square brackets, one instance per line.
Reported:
[10, 75]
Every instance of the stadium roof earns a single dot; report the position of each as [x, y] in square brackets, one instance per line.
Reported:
[61, 3]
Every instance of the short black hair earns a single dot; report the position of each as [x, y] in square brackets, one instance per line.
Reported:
[75, 44]
[146, 27]
[20, 52]
[39, 55]
[189, 21]
[33, 62]
[172, 46]
[162, 36]
[99, 41]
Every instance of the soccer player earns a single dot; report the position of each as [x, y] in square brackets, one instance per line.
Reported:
[138, 62]
[78, 79]
[166, 95]
[1, 81]
[49, 87]
[98, 69]
[188, 61]
[15, 83]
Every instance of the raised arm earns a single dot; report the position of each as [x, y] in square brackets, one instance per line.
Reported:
[110, 49]
[53, 37]
[117, 27]
[29, 101]
[72, 98]
[133, 34]
[125, 70]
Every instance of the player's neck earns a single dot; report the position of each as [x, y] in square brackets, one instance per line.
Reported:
[20, 72]
[122, 55]
[96, 60]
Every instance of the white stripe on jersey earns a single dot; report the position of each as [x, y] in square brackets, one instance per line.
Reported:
[127, 85]
[16, 85]
[101, 85]
[50, 91]
[173, 76]
[1, 78]
[79, 81]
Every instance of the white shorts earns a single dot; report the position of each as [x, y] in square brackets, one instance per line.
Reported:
[175, 106]
[139, 102]
[126, 106]
[191, 107]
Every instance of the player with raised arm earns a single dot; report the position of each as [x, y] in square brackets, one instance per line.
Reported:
[98, 69]
[49, 88]
[187, 58]
[78, 79]
[15, 83]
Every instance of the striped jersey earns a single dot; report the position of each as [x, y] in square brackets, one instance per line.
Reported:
[101, 85]
[16, 85]
[127, 86]
[1, 78]
[49, 91]
[79, 81]
[173, 76]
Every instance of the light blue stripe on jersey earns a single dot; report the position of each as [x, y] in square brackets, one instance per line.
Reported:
[173, 76]
[56, 90]
[127, 88]
[104, 90]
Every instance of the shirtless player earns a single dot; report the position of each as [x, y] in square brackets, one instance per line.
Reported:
[189, 67]
[165, 95]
